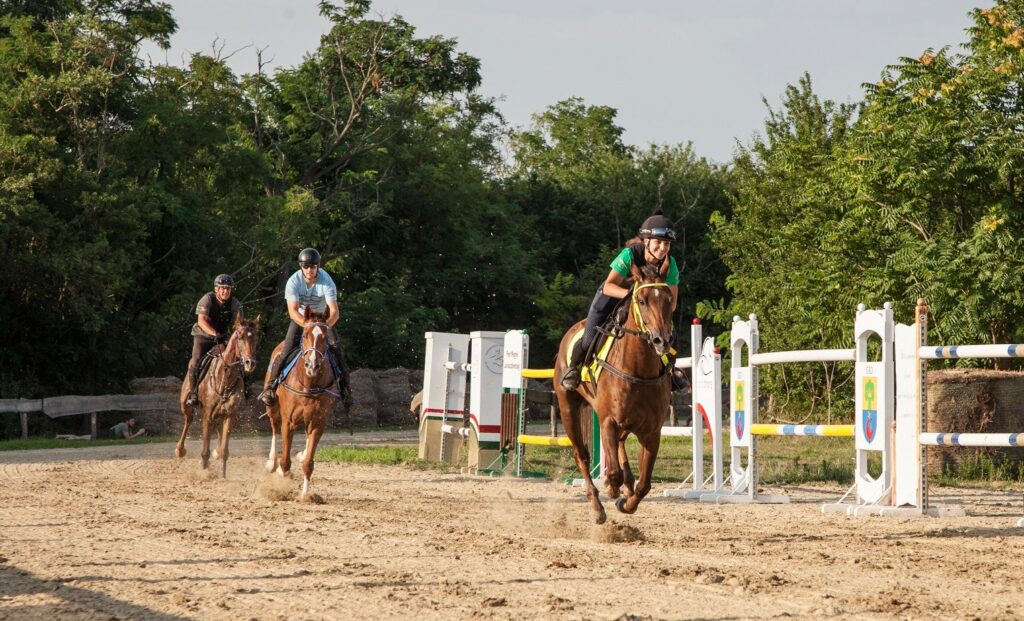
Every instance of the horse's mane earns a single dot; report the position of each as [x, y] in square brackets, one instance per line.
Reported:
[246, 323]
[315, 317]
[650, 273]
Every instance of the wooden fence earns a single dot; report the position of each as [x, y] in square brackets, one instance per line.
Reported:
[75, 405]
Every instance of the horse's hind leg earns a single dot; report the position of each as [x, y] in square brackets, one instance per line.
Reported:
[179, 450]
[570, 406]
[649, 445]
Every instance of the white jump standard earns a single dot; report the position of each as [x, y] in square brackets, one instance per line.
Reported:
[705, 363]
[912, 356]
[872, 417]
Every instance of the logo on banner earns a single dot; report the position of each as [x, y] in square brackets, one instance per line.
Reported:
[869, 408]
[739, 417]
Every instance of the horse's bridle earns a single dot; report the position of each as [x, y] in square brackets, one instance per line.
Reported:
[643, 333]
[323, 354]
[314, 391]
[242, 359]
[225, 387]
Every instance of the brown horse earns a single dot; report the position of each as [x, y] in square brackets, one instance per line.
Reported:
[632, 395]
[221, 391]
[304, 398]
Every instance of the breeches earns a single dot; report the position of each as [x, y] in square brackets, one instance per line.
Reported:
[600, 310]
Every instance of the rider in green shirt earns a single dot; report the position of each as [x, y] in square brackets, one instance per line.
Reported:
[651, 247]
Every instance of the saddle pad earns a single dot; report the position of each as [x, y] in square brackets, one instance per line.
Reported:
[592, 370]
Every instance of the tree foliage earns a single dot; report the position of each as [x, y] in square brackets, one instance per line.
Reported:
[913, 193]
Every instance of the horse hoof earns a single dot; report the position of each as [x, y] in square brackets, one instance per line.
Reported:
[216, 455]
[271, 465]
[599, 518]
[620, 504]
[179, 452]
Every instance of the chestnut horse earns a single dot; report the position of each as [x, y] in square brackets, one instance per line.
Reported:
[632, 395]
[304, 398]
[221, 391]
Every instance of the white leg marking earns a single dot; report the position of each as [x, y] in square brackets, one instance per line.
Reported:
[272, 458]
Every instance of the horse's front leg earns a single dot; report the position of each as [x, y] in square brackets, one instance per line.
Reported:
[222, 447]
[649, 445]
[611, 450]
[274, 416]
[627, 473]
[205, 452]
[287, 431]
[313, 434]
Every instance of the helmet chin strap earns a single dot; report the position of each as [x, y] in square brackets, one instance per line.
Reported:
[649, 252]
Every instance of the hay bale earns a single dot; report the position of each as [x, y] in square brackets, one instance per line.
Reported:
[393, 393]
[978, 401]
[365, 401]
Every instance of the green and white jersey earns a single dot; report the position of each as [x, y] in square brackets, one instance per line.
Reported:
[622, 263]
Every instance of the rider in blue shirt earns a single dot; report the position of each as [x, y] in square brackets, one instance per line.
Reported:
[308, 288]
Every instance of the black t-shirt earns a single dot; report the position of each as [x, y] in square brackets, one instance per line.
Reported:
[220, 316]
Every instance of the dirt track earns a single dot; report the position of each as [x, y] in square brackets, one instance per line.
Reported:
[108, 536]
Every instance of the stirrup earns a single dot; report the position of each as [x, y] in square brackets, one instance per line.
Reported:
[571, 379]
[192, 399]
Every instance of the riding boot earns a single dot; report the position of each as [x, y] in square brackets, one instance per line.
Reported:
[679, 381]
[344, 386]
[571, 378]
[193, 377]
[269, 394]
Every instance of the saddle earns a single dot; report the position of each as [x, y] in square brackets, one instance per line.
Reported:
[288, 364]
[206, 361]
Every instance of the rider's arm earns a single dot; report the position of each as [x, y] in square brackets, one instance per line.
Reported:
[293, 312]
[615, 286]
[333, 316]
[204, 323]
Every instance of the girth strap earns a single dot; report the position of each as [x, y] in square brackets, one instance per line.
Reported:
[632, 379]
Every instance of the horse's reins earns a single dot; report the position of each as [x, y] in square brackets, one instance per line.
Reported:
[225, 388]
[643, 333]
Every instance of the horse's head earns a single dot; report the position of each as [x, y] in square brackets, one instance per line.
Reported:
[243, 342]
[314, 343]
[651, 306]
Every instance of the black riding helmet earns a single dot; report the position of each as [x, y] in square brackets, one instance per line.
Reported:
[309, 256]
[224, 280]
[658, 226]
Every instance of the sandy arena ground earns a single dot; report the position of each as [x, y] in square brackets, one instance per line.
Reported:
[129, 533]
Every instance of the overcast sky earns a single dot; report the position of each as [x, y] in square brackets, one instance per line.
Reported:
[676, 70]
